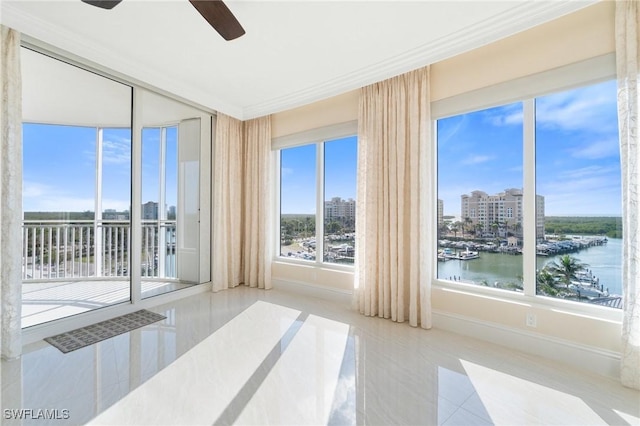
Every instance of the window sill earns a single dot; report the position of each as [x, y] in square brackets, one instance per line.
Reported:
[314, 264]
[568, 307]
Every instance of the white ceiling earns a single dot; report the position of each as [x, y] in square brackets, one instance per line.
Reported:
[293, 53]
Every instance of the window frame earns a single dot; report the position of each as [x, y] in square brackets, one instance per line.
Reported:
[526, 90]
[317, 137]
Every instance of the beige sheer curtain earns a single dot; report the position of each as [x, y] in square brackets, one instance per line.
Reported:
[257, 208]
[394, 200]
[627, 52]
[227, 204]
[242, 203]
[10, 192]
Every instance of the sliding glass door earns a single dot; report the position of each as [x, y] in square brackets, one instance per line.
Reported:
[170, 195]
[116, 184]
[76, 190]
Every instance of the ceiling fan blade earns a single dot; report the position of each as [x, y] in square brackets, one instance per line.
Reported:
[220, 17]
[103, 4]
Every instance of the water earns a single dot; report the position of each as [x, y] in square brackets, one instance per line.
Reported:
[604, 261]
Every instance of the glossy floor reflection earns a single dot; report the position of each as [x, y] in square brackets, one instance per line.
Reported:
[247, 356]
[48, 301]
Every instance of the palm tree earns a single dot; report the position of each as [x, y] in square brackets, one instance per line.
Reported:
[454, 229]
[546, 283]
[442, 230]
[309, 226]
[567, 268]
[467, 224]
[460, 226]
[494, 228]
[517, 227]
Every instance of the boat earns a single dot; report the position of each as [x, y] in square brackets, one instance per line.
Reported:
[587, 290]
[468, 255]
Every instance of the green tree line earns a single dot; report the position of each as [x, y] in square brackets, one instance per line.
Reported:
[61, 216]
[609, 226]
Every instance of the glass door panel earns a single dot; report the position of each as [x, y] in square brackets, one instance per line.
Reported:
[76, 190]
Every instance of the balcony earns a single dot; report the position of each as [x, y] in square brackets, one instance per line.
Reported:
[69, 267]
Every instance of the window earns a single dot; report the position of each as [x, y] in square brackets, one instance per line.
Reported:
[579, 247]
[159, 196]
[480, 169]
[339, 200]
[555, 234]
[298, 202]
[317, 201]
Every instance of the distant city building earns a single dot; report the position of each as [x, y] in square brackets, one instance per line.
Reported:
[440, 213]
[339, 210]
[113, 214]
[500, 214]
[149, 210]
[172, 212]
[539, 217]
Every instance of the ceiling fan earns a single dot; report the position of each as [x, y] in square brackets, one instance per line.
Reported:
[215, 12]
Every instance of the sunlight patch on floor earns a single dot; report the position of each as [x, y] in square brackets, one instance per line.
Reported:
[512, 400]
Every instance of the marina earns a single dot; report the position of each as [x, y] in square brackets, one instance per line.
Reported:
[502, 267]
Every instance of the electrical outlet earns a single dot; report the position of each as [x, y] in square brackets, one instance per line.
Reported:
[532, 321]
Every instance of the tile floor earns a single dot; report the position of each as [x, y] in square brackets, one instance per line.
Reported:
[247, 356]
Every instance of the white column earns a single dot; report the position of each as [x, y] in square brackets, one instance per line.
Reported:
[136, 198]
[10, 193]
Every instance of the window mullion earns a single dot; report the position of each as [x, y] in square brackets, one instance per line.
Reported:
[97, 218]
[529, 204]
[162, 205]
[320, 202]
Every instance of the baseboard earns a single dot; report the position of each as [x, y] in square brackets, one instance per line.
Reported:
[583, 357]
[312, 290]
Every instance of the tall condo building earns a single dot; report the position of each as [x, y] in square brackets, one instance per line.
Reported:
[501, 213]
[340, 210]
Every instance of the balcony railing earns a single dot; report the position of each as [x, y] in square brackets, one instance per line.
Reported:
[57, 250]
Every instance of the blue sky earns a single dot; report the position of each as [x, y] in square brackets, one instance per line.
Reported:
[578, 165]
[59, 171]
[298, 174]
[577, 154]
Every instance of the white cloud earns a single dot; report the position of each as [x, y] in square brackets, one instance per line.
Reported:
[477, 159]
[118, 205]
[597, 150]
[53, 202]
[34, 189]
[593, 189]
[286, 171]
[509, 119]
[42, 197]
[116, 151]
[456, 124]
[592, 108]
[507, 115]
[586, 172]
